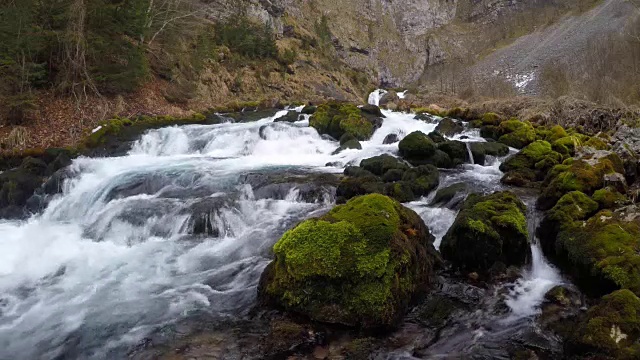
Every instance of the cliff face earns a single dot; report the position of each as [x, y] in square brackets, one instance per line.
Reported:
[401, 42]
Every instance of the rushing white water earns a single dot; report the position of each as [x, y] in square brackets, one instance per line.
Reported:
[114, 256]
[374, 97]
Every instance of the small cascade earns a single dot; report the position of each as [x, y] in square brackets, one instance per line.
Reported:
[528, 293]
[375, 96]
[471, 160]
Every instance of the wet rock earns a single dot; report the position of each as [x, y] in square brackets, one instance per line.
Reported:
[456, 151]
[372, 109]
[379, 165]
[291, 116]
[451, 196]
[286, 338]
[422, 179]
[449, 127]
[390, 139]
[480, 151]
[351, 144]
[436, 137]
[19, 184]
[203, 213]
[488, 229]
[359, 265]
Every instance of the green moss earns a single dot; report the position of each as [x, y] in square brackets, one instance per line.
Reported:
[517, 134]
[609, 198]
[357, 265]
[571, 143]
[612, 327]
[597, 143]
[538, 157]
[337, 119]
[577, 176]
[491, 119]
[416, 146]
[604, 251]
[487, 230]
[379, 165]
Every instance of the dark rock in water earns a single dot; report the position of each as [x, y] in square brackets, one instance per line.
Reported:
[451, 197]
[291, 116]
[489, 229]
[480, 151]
[457, 152]
[262, 132]
[449, 127]
[309, 109]
[393, 175]
[351, 144]
[423, 179]
[372, 109]
[416, 147]
[371, 248]
[426, 117]
[379, 165]
[19, 184]
[357, 186]
[346, 137]
[250, 115]
[286, 338]
[436, 137]
[401, 191]
[390, 139]
[203, 214]
[310, 188]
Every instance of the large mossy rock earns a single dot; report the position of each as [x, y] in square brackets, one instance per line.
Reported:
[488, 230]
[531, 163]
[416, 147]
[360, 265]
[514, 133]
[337, 119]
[611, 329]
[584, 175]
[602, 253]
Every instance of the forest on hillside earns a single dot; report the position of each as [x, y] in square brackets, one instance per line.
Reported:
[79, 48]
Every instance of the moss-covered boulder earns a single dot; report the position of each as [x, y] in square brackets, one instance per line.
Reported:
[568, 144]
[611, 329]
[517, 134]
[436, 137]
[578, 175]
[422, 179]
[489, 229]
[449, 127]
[609, 198]
[536, 158]
[480, 151]
[360, 265]
[601, 253]
[336, 119]
[372, 109]
[379, 165]
[351, 144]
[309, 109]
[416, 148]
[456, 151]
[573, 206]
[550, 134]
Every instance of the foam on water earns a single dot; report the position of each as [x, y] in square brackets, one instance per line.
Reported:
[111, 258]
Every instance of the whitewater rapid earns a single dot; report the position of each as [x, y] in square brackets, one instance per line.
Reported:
[113, 257]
